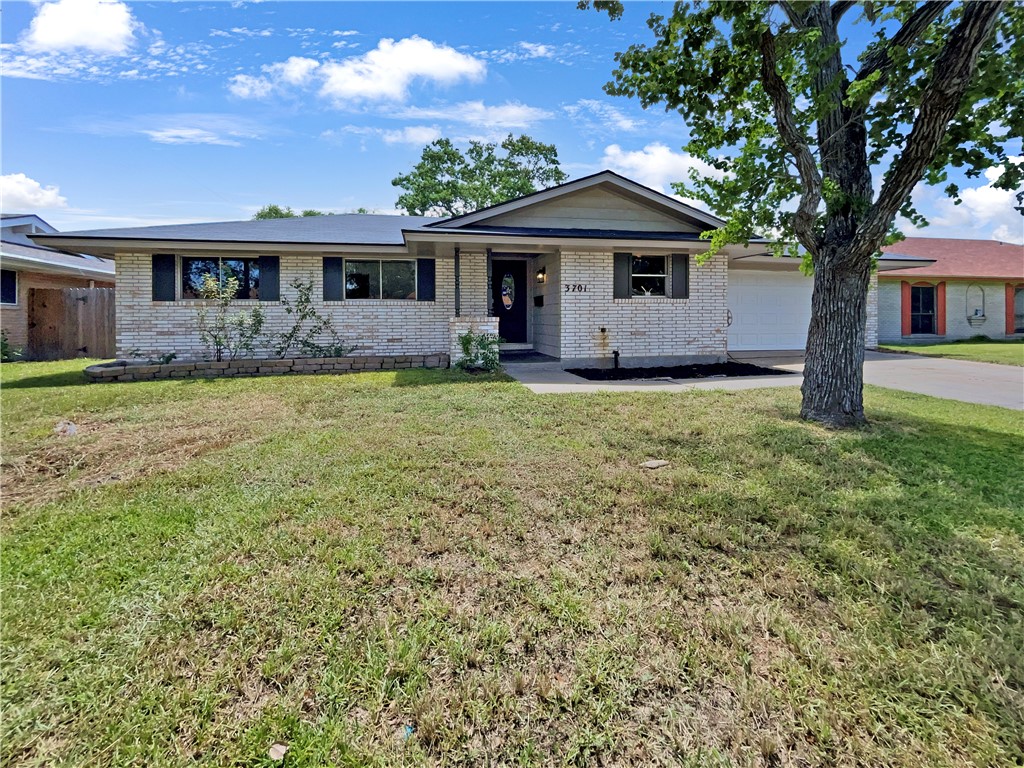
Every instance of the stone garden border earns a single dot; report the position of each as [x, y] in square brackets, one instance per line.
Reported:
[130, 370]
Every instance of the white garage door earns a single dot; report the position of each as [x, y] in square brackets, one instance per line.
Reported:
[770, 310]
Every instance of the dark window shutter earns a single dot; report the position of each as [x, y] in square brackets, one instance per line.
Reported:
[334, 278]
[270, 278]
[680, 276]
[425, 279]
[623, 265]
[163, 277]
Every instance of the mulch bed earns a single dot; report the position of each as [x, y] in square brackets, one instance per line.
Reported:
[705, 371]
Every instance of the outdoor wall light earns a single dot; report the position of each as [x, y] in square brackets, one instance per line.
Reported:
[542, 275]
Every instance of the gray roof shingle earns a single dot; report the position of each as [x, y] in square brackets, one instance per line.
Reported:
[340, 229]
[70, 262]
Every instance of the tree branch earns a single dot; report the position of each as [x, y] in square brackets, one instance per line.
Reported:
[840, 8]
[940, 101]
[795, 143]
[794, 16]
[918, 22]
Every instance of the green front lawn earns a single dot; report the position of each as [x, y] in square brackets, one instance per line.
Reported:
[423, 567]
[1010, 352]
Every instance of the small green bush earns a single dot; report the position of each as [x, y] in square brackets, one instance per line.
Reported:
[8, 352]
[479, 352]
[309, 325]
[227, 334]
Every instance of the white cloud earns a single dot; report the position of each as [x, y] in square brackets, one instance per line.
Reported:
[101, 26]
[249, 87]
[181, 128]
[386, 72]
[295, 71]
[413, 134]
[344, 33]
[511, 114]
[985, 212]
[656, 166]
[598, 114]
[521, 51]
[20, 194]
[383, 74]
[189, 136]
[246, 32]
[537, 50]
[81, 64]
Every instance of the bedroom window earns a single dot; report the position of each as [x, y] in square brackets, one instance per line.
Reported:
[195, 268]
[647, 276]
[8, 286]
[380, 279]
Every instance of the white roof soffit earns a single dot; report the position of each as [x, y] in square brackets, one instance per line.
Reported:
[755, 254]
[885, 263]
[621, 184]
[511, 242]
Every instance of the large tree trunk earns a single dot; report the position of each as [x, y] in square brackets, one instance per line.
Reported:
[833, 387]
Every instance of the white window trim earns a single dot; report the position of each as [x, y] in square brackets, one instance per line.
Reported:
[665, 261]
[380, 277]
[17, 285]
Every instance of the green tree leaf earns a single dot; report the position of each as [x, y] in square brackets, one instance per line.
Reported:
[447, 182]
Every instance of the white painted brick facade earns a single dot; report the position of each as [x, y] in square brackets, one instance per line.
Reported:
[889, 319]
[473, 277]
[568, 325]
[871, 332]
[458, 326]
[547, 319]
[644, 327]
[375, 327]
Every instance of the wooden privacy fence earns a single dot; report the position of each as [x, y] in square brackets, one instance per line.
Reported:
[70, 322]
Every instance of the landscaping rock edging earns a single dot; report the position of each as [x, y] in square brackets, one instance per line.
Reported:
[124, 370]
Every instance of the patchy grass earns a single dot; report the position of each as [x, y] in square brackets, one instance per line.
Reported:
[1007, 352]
[424, 567]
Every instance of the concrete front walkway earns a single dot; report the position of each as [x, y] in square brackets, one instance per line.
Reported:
[985, 383]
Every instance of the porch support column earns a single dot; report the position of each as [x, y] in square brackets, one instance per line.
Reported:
[458, 282]
[490, 309]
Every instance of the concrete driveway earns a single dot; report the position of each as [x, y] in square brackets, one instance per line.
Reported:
[984, 383]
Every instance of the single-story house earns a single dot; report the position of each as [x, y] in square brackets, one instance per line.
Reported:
[971, 288]
[26, 265]
[578, 272]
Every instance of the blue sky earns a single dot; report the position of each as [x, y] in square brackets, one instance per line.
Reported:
[146, 113]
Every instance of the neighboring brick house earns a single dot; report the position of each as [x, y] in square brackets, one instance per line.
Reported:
[971, 288]
[24, 265]
[580, 271]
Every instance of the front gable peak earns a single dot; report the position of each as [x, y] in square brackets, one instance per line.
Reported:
[603, 201]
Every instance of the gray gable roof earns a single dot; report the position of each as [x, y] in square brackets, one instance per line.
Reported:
[34, 257]
[340, 229]
[357, 230]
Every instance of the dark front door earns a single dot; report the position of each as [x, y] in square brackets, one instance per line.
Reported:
[922, 309]
[509, 299]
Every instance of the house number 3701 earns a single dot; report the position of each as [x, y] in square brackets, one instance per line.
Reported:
[575, 288]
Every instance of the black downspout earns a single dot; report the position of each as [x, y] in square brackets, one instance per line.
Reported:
[458, 283]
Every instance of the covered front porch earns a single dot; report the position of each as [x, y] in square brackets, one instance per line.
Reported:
[512, 293]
